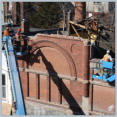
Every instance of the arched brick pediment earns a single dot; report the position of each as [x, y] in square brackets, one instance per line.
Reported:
[44, 43]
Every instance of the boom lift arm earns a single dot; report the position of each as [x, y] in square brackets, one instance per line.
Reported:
[14, 73]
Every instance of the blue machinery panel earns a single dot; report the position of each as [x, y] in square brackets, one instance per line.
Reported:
[104, 76]
[18, 97]
[108, 65]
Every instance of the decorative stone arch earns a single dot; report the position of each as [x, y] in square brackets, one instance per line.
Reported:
[45, 43]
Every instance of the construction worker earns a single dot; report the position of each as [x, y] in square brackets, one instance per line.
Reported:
[93, 38]
[6, 31]
[18, 34]
[107, 57]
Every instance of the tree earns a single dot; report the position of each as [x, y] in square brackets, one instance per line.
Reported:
[47, 15]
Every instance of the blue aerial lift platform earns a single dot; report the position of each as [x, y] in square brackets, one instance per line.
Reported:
[108, 74]
[14, 75]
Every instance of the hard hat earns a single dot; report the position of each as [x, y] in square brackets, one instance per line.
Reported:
[108, 51]
[93, 36]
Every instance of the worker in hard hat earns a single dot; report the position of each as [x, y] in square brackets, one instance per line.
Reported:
[6, 34]
[107, 57]
[93, 38]
[6, 31]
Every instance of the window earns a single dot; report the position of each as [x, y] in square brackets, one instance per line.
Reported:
[3, 86]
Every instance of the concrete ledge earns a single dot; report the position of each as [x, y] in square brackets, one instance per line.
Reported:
[34, 108]
[85, 104]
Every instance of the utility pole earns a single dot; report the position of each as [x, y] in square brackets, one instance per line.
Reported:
[68, 24]
[63, 20]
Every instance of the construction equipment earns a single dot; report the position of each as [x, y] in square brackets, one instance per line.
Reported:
[14, 75]
[108, 73]
[21, 46]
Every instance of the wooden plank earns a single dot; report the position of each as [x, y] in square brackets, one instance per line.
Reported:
[79, 25]
[68, 24]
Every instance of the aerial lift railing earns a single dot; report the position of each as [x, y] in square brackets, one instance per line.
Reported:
[14, 74]
[104, 71]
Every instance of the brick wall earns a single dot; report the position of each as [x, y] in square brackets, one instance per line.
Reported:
[102, 94]
[56, 70]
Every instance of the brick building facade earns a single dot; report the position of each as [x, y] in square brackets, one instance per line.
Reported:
[15, 10]
[56, 76]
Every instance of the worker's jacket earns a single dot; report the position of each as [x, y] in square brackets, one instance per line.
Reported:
[107, 58]
[6, 32]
